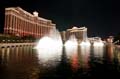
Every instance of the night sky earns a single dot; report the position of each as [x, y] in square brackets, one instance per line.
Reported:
[101, 17]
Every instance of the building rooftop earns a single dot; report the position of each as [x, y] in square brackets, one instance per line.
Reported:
[19, 9]
[74, 28]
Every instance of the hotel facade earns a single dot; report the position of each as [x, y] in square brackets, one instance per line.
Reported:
[19, 22]
[79, 33]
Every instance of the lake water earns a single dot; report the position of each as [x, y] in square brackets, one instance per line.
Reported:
[81, 62]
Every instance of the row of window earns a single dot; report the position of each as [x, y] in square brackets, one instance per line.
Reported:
[16, 24]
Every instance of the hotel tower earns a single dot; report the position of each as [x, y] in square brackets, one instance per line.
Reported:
[19, 22]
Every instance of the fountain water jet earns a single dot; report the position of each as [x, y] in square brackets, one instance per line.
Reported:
[98, 47]
[85, 43]
[49, 48]
[71, 46]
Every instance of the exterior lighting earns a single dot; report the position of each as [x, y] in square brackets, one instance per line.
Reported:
[35, 14]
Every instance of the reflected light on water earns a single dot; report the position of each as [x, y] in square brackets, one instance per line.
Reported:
[98, 49]
[85, 54]
[78, 54]
[75, 60]
[71, 49]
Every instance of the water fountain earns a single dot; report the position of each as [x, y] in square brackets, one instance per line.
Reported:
[71, 46]
[98, 47]
[49, 48]
[85, 43]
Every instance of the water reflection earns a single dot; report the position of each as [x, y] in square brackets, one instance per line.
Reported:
[98, 51]
[84, 56]
[78, 56]
[72, 55]
[117, 54]
[110, 53]
[17, 63]
[69, 62]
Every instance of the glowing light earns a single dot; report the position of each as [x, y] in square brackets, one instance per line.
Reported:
[35, 14]
[70, 50]
[86, 43]
[49, 48]
[100, 43]
[71, 46]
[75, 62]
[98, 49]
[70, 43]
[45, 43]
[85, 54]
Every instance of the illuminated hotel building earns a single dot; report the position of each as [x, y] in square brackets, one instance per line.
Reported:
[19, 22]
[79, 33]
